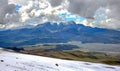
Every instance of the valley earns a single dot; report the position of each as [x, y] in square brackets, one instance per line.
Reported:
[78, 53]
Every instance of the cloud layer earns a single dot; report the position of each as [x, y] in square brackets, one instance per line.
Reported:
[97, 13]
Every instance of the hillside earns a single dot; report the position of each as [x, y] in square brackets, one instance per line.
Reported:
[10, 61]
[58, 33]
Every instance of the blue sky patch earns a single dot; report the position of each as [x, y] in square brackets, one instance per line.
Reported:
[17, 8]
[71, 17]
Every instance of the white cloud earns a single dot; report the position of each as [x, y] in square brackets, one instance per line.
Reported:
[39, 11]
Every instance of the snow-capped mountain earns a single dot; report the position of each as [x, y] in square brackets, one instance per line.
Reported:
[58, 33]
[10, 61]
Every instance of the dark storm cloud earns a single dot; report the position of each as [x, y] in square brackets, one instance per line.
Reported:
[114, 6]
[3, 3]
[7, 12]
[87, 8]
[55, 2]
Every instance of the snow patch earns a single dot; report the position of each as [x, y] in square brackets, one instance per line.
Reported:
[10, 61]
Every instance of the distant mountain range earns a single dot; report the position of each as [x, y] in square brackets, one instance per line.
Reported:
[57, 33]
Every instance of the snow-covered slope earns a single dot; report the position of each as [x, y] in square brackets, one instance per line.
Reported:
[10, 61]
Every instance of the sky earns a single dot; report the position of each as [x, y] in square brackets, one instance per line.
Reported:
[94, 13]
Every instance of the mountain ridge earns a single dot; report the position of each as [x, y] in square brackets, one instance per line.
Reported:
[58, 33]
[12, 61]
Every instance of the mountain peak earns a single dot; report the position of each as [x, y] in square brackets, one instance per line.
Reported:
[54, 33]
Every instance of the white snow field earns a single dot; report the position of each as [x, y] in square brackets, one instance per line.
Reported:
[11, 61]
